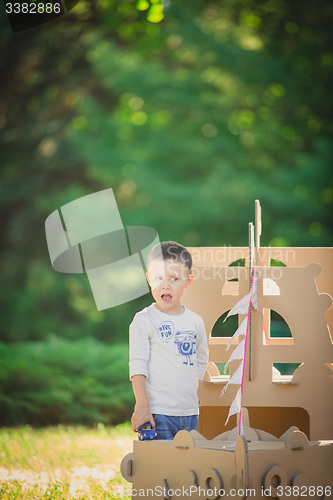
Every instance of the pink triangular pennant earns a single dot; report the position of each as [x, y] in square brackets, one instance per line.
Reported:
[241, 307]
[235, 405]
[241, 330]
[238, 353]
[235, 379]
[254, 290]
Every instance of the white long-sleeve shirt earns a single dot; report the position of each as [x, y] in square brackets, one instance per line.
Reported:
[171, 351]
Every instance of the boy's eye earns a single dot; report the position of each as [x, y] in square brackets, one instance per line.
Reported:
[174, 279]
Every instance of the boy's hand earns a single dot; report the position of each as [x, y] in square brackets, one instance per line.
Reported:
[141, 415]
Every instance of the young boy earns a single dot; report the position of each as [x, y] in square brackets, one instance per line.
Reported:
[168, 347]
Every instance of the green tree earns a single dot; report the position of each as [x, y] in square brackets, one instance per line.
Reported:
[188, 117]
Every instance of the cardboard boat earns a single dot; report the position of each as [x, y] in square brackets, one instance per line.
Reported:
[287, 452]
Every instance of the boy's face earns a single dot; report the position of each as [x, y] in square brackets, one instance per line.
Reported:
[168, 280]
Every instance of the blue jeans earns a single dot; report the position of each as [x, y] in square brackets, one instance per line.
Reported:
[167, 426]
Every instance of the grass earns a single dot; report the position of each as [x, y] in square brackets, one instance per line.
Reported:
[64, 463]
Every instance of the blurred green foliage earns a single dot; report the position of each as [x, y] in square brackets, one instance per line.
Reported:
[60, 381]
[189, 110]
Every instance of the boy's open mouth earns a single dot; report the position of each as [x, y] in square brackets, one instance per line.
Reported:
[166, 297]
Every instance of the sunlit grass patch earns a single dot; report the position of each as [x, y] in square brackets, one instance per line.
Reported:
[63, 462]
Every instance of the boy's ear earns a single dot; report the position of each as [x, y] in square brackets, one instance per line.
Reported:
[147, 276]
[189, 280]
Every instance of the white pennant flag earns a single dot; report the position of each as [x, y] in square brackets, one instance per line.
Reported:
[235, 405]
[235, 379]
[242, 307]
[254, 297]
[241, 330]
[237, 354]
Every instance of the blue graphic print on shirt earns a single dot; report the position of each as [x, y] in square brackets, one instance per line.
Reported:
[184, 344]
[166, 330]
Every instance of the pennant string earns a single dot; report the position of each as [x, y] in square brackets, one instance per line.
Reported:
[242, 307]
[253, 284]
